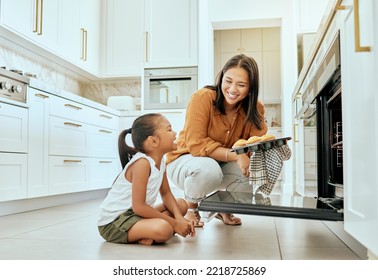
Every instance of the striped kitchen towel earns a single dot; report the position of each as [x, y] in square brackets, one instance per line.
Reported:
[265, 167]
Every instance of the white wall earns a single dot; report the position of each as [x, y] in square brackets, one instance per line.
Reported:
[225, 14]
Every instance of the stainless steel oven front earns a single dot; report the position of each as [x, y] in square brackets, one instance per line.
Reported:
[169, 88]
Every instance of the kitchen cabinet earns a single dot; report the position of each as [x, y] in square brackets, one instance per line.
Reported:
[36, 20]
[67, 29]
[124, 38]
[82, 147]
[13, 151]
[359, 73]
[38, 141]
[79, 33]
[170, 28]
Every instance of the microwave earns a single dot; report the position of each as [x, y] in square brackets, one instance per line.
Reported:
[169, 88]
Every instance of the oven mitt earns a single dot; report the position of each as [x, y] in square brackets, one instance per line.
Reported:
[266, 166]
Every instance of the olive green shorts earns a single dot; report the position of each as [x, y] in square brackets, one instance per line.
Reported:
[116, 231]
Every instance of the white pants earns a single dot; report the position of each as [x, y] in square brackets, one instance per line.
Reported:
[200, 176]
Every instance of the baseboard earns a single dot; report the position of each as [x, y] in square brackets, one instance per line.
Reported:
[23, 205]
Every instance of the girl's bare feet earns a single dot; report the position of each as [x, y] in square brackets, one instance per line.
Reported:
[146, 241]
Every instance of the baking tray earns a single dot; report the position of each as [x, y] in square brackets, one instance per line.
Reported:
[264, 145]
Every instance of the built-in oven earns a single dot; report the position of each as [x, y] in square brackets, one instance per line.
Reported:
[322, 100]
[169, 88]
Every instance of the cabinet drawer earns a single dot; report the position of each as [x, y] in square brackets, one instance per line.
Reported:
[310, 136]
[311, 171]
[102, 142]
[13, 128]
[68, 138]
[103, 172]
[68, 109]
[67, 174]
[104, 119]
[13, 174]
[310, 154]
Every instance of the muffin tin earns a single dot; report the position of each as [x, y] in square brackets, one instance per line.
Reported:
[265, 145]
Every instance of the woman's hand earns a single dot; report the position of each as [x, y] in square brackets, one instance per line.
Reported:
[243, 163]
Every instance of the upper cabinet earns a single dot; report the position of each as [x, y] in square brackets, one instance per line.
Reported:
[36, 20]
[65, 28]
[79, 33]
[124, 38]
[170, 28]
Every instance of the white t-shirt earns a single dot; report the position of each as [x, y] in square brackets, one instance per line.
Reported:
[119, 198]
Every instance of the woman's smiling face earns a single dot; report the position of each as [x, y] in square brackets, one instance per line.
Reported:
[235, 85]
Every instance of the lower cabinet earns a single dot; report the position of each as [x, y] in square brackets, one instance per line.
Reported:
[13, 151]
[13, 174]
[56, 145]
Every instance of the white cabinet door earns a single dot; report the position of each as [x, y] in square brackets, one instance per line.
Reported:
[171, 33]
[90, 34]
[19, 16]
[13, 128]
[70, 35]
[359, 102]
[124, 38]
[36, 20]
[79, 33]
[39, 109]
[13, 174]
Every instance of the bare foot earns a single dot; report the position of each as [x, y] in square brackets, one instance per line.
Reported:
[146, 241]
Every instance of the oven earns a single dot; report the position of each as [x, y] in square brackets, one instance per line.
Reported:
[169, 88]
[321, 100]
[13, 85]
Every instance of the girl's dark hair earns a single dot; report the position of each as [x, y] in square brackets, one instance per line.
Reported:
[249, 104]
[142, 127]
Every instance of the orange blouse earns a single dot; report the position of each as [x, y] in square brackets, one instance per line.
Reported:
[206, 128]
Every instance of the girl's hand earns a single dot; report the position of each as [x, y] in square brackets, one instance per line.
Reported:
[184, 228]
[243, 162]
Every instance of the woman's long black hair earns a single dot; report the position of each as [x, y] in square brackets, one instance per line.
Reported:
[142, 127]
[249, 104]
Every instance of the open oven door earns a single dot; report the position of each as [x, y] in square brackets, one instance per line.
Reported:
[273, 205]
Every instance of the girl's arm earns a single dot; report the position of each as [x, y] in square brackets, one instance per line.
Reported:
[169, 200]
[139, 173]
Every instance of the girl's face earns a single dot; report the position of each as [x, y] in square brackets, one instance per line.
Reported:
[235, 85]
[166, 135]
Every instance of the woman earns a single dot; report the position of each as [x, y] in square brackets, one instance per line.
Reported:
[217, 116]
[128, 213]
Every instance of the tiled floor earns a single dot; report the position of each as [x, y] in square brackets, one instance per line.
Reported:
[69, 232]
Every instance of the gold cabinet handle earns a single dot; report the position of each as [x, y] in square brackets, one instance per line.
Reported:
[82, 43]
[71, 161]
[72, 106]
[357, 42]
[295, 133]
[105, 116]
[40, 95]
[85, 44]
[72, 124]
[105, 161]
[36, 7]
[40, 19]
[104, 131]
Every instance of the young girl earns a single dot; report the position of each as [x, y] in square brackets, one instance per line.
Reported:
[128, 214]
